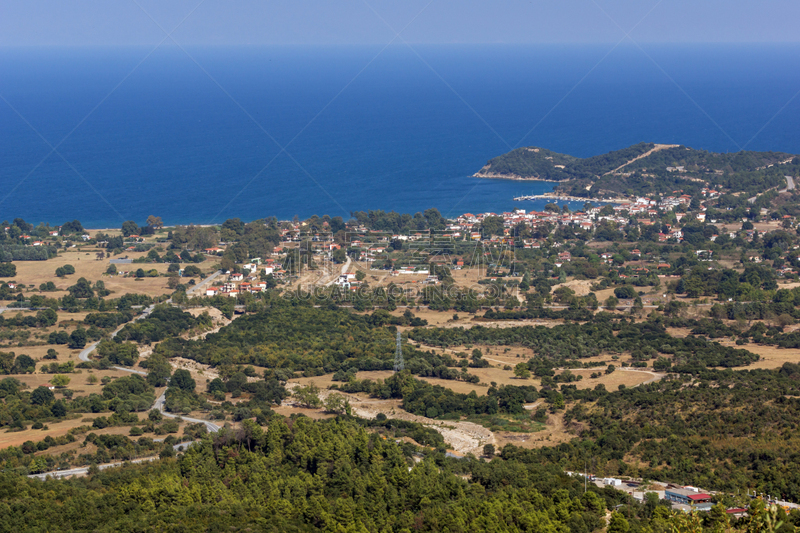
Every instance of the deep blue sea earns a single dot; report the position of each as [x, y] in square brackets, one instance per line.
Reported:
[206, 134]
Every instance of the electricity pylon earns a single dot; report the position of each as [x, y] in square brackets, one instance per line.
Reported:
[398, 355]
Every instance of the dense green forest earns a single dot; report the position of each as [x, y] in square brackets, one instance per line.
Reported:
[726, 429]
[302, 475]
[290, 337]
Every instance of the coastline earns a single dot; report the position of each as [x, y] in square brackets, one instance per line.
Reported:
[514, 177]
[570, 199]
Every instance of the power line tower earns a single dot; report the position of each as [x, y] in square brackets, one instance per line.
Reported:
[399, 364]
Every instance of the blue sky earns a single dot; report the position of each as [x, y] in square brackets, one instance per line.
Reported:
[340, 22]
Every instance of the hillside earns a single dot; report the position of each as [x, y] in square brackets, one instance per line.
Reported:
[647, 168]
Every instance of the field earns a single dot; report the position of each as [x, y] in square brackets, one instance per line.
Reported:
[34, 273]
[771, 356]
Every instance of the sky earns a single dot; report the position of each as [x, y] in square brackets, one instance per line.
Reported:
[371, 22]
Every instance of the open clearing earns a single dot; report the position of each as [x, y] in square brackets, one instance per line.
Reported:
[771, 356]
[466, 437]
[87, 266]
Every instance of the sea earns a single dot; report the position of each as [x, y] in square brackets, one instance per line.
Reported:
[198, 135]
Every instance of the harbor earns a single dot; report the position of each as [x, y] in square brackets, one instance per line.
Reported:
[556, 197]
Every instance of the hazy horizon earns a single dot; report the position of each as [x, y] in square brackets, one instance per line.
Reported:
[378, 22]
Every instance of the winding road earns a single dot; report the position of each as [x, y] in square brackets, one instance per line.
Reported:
[159, 404]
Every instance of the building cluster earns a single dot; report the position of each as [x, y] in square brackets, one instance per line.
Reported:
[683, 498]
[248, 281]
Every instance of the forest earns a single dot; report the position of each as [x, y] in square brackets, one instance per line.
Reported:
[303, 475]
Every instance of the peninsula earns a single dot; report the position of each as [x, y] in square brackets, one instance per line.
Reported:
[647, 169]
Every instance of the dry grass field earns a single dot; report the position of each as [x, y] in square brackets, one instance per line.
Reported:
[499, 376]
[771, 356]
[87, 266]
[59, 429]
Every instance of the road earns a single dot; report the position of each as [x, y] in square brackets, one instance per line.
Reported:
[82, 471]
[212, 428]
[85, 469]
[159, 404]
[209, 279]
[789, 183]
[345, 267]
[86, 352]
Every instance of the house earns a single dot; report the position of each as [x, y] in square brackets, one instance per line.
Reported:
[736, 512]
[686, 496]
[565, 256]
[212, 291]
[236, 277]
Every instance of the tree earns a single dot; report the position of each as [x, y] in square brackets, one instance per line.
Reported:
[60, 381]
[337, 403]
[65, 270]
[8, 270]
[488, 450]
[611, 303]
[81, 289]
[360, 276]
[155, 222]
[92, 379]
[129, 227]
[719, 518]
[24, 365]
[42, 396]
[618, 523]
[610, 369]
[522, 371]
[158, 370]
[492, 226]
[625, 292]
[307, 396]
[77, 339]
[182, 379]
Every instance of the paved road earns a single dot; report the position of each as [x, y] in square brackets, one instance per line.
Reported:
[85, 469]
[86, 352]
[57, 474]
[209, 279]
[345, 267]
[212, 428]
[789, 183]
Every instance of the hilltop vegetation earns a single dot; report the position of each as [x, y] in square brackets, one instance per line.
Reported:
[543, 164]
[662, 171]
